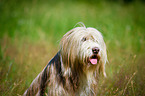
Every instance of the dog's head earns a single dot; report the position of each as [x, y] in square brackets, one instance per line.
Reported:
[84, 48]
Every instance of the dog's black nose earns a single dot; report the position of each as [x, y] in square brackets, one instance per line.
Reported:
[95, 50]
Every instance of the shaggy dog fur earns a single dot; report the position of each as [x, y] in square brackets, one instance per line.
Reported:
[74, 70]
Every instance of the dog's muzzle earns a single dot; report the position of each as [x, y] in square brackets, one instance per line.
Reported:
[95, 57]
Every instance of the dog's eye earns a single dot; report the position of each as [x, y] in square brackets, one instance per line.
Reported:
[84, 39]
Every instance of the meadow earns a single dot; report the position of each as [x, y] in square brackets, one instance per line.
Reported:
[30, 32]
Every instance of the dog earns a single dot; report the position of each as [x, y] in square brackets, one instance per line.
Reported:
[75, 69]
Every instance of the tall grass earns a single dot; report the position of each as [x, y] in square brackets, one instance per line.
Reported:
[30, 32]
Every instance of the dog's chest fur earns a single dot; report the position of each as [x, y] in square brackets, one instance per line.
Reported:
[73, 84]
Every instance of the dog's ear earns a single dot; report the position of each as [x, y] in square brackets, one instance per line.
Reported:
[101, 69]
[104, 60]
[104, 72]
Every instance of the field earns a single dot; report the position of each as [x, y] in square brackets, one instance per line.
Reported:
[30, 32]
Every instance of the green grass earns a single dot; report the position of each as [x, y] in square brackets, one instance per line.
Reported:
[30, 32]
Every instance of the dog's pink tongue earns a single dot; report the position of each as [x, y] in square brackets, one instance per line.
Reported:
[93, 61]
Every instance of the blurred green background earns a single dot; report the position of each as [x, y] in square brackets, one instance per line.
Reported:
[30, 31]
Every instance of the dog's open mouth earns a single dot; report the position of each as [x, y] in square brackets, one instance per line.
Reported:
[94, 59]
